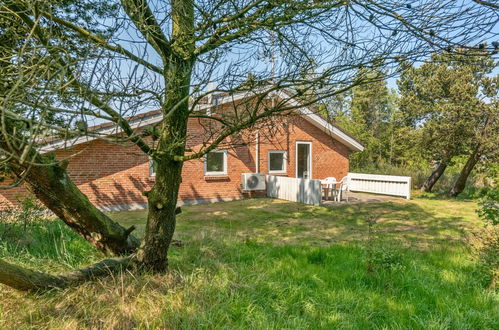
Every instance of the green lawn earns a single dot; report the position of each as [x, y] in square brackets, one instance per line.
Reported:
[265, 263]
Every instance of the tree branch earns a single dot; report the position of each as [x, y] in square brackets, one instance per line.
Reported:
[25, 279]
[143, 18]
[486, 3]
[244, 26]
[86, 93]
[101, 42]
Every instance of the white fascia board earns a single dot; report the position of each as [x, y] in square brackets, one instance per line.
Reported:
[63, 144]
[320, 122]
[233, 98]
[334, 131]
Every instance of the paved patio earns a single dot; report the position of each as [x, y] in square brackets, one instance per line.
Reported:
[357, 198]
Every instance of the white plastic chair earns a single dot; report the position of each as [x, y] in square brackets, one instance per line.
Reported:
[343, 188]
[330, 183]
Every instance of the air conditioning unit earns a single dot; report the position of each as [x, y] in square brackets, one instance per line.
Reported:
[253, 181]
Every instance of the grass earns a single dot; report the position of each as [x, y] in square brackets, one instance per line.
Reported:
[265, 263]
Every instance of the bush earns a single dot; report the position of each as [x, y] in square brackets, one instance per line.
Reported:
[485, 243]
[489, 206]
[485, 247]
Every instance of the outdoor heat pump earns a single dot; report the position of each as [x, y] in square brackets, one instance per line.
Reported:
[253, 181]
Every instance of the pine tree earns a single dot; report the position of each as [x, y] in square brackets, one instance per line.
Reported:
[441, 99]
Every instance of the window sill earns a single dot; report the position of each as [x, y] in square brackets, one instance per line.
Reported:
[279, 173]
[218, 177]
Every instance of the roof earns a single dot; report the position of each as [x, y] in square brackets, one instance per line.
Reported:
[155, 116]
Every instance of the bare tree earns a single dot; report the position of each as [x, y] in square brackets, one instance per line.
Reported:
[161, 55]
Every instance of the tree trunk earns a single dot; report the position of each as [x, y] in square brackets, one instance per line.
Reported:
[24, 279]
[433, 178]
[161, 218]
[162, 199]
[460, 182]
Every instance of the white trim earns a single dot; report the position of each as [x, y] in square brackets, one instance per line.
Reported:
[224, 172]
[122, 207]
[284, 161]
[307, 113]
[309, 160]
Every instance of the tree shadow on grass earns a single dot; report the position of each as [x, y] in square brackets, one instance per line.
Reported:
[281, 223]
[443, 196]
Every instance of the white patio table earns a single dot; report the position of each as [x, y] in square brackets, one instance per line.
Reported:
[330, 184]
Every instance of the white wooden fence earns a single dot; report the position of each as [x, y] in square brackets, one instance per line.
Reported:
[294, 189]
[380, 184]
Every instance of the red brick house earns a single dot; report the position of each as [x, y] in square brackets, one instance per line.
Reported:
[114, 175]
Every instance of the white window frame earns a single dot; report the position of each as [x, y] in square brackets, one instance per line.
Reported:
[224, 172]
[284, 161]
[309, 161]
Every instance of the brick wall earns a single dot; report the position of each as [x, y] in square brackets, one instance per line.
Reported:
[113, 175]
[329, 157]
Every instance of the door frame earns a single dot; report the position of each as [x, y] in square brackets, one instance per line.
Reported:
[309, 159]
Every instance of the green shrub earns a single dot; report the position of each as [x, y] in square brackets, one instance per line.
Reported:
[385, 258]
[485, 247]
[29, 210]
[485, 242]
[489, 206]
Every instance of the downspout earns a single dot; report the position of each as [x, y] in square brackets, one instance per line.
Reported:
[257, 151]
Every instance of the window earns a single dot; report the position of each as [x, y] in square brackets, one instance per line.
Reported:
[215, 163]
[277, 161]
[152, 167]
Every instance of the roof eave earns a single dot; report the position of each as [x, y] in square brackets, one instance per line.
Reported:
[309, 115]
